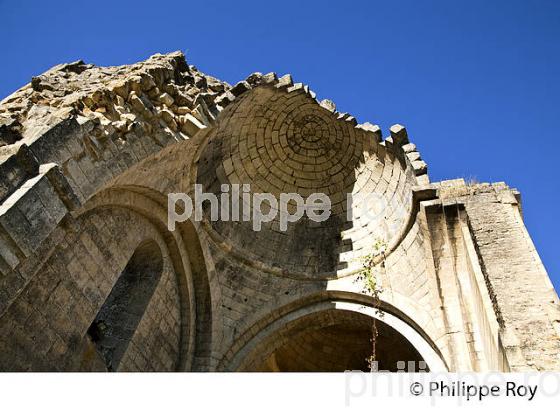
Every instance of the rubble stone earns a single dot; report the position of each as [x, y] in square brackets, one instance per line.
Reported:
[88, 156]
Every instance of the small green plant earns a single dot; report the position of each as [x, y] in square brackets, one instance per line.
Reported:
[369, 276]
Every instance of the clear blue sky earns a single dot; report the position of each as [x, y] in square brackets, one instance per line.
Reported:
[477, 83]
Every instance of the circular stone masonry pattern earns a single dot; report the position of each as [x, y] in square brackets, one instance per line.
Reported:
[285, 142]
[280, 142]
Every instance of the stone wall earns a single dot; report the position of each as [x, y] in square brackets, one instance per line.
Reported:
[87, 158]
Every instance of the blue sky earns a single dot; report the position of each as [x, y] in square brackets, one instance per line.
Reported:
[476, 83]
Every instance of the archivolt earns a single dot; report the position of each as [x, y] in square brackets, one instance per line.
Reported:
[249, 346]
[188, 262]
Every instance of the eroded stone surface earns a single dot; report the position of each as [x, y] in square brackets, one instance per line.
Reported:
[88, 155]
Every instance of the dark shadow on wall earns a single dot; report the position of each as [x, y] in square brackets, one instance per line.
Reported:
[118, 318]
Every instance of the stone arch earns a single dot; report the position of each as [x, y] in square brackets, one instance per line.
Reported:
[186, 255]
[286, 326]
[396, 301]
[107, 242]
[72, 282]
[121, 138]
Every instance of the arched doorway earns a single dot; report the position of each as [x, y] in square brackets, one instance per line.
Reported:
[335, 336]
[338, 341]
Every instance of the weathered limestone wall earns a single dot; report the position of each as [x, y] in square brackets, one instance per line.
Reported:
[75, 122]
[88, 155]
[524, 295]
[46, 325]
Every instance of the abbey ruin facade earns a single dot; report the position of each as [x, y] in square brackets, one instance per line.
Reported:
[91, 278]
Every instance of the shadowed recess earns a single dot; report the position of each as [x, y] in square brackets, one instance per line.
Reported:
[118, 318]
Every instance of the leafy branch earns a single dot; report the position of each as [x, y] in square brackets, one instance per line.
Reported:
[369, 276]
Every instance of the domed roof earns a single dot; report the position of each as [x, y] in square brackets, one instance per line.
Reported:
[279, 139]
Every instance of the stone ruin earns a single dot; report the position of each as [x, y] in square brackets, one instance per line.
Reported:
[92, 279]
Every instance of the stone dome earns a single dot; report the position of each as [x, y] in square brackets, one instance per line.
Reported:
[281, 140]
